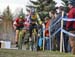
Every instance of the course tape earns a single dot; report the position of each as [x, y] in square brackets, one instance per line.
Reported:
[68, 33]
[65, 19]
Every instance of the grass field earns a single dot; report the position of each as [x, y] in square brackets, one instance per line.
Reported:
[23, 53]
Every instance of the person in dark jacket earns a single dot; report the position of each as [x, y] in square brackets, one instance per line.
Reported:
[70, 26]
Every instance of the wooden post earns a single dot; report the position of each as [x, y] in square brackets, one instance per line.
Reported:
[61, 36]
[43, 37]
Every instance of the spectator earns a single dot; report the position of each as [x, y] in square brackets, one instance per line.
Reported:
[70, 26]
[52, 30]
[47, 25]
[61, 13]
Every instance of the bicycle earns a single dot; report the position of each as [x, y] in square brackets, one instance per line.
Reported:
[34, 40]
[20, 39]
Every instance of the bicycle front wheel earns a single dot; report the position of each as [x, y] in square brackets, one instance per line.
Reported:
[20, 40]
[34, 42]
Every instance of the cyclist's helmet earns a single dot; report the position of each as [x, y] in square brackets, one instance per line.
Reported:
[33, 11]
[21, 16]
[72, 2]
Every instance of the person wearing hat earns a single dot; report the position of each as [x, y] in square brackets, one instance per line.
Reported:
[70, 26]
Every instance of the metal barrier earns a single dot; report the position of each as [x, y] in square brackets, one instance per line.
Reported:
[56, 31]
[60, 20]
[51, 36]
[62, 31]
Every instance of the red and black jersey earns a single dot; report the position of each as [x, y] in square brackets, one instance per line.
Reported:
[19, 23]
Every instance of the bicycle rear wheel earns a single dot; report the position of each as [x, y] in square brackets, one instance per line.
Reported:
[20, 40]
[34, 42]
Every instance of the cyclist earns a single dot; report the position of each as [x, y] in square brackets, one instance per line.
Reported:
[33, 22]
[18, 24]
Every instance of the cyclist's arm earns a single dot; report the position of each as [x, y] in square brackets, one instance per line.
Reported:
[15, 24]
[38, 19]
[26, 23]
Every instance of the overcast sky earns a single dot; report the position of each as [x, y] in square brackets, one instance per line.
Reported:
[16, 4]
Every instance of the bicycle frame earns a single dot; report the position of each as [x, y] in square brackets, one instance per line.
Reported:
[20, 39]
[34, 39]
[34, 34]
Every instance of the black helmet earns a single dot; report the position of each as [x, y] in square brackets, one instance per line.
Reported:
[21, 16]
[72, 2]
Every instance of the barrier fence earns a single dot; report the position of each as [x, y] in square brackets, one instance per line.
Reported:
[61, 29]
